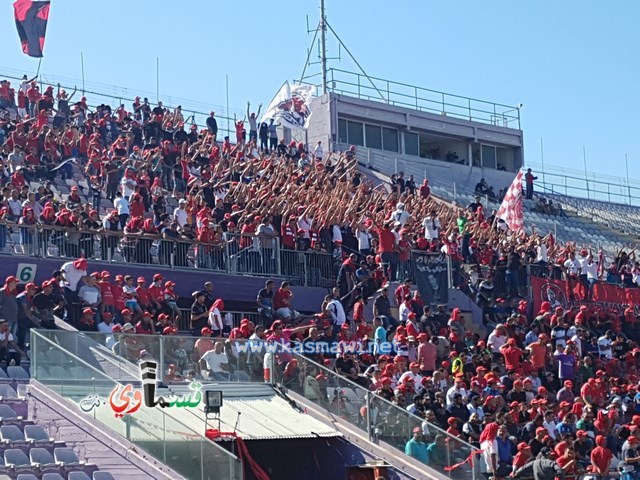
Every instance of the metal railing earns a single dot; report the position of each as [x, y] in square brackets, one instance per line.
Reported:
[234, 318]
[99, 93]
[411, 96]
[592, 186]
[235, 254]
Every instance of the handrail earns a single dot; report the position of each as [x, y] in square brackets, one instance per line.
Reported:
[126, 97]
[383, 400]
[422, 88]
[424, 99]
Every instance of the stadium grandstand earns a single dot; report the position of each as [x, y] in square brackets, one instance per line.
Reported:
[369, 277]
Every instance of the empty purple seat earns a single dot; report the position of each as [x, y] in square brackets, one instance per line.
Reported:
[78, 476]
[27, 476]
[52, 476]
[36, 434]
[18, 461]
[101, 476]
[42, 457]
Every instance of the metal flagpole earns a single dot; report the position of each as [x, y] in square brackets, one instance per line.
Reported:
[626, 164]
[157, 79]
[226, 77]
[544, 187]
[586, 180]
[323, 47]
[82, 67]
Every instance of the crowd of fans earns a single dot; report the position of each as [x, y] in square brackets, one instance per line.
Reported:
[561, 383]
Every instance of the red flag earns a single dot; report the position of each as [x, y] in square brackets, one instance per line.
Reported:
[511, 209]
[31, 21]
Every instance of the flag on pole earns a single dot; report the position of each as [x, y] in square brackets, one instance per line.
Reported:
[511, 209]
[291, 107]
[31, 21]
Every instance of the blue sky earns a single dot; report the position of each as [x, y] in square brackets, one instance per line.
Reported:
[572, 64]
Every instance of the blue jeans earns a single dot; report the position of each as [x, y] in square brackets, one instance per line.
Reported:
[513, 283]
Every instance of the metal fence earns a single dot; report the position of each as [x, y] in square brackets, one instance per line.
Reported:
[233, 317]
[411, 96]
[235, 253]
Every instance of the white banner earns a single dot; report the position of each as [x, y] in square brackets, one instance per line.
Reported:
[291, 106]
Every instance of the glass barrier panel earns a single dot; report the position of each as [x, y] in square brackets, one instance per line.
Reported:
[384, 421]
[153, 430]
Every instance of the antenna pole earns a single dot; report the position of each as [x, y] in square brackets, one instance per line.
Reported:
[323, 47]
[306, 63]
[375, 87]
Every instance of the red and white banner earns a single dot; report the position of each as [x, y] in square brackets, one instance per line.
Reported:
[511, 209]
[605, 296]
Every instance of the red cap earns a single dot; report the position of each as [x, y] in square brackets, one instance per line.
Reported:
[126, 311]
[157, 277]
[206, 331]
[168, 330]
[141, 280]
[87, 311]
[414, 365]
[10, 279]
[523, 446]
[568, 383]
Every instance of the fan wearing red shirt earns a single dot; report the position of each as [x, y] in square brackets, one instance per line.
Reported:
[601, 457]
[288, 234]
[512, 354]
[136, 207]
[248, 231]
[142, 292]
[590, 392]
[156, 292]
[402, 291]
[118, 293]
[538, 352]
[106, 289]
[282, 301]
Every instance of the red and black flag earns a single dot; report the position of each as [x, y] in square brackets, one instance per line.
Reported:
[31, 22]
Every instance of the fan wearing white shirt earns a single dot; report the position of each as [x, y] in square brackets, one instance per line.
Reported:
[590, 269]
[431, 226]
[317, 152]
[400, 215]
[572, 270]
[180, 214]
[604, 345]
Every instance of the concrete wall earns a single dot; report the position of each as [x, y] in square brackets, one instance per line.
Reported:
[236, 288]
